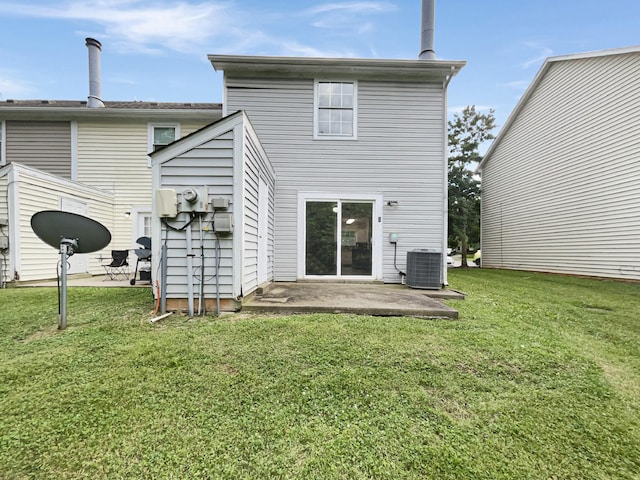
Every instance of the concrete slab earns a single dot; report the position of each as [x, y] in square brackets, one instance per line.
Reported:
[363, 299]
[84, 281]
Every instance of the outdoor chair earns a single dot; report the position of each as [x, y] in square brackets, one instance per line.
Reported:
[118, 269]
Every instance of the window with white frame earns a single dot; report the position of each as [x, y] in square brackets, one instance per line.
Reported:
[335, 109]
[162, 134]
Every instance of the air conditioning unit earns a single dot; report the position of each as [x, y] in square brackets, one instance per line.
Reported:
[424, 267]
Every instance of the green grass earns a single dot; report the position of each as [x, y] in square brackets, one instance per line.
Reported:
[538, 379]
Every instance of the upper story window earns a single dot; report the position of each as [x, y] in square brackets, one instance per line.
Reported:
[162, 134]
[335, 110]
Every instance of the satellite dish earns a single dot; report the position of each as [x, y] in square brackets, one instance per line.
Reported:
[70, 233]
[52, 226]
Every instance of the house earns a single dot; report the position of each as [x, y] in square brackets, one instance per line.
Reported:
[560, 183]
[87, 157]
[358, 153]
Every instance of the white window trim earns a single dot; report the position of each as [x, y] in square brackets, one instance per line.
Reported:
[150, 127]
[136, 212]
[316, 135]
[378, 224]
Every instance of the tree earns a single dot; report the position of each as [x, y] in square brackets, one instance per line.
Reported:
[467, 132]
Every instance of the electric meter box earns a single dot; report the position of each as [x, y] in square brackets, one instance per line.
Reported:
[166, 203]
[194, 199]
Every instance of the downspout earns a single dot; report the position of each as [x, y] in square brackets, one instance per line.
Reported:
[445, 108]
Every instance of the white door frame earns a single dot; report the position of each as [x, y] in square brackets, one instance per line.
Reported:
[376, 240]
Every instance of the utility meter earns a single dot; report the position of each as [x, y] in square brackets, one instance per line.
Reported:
[194, 199]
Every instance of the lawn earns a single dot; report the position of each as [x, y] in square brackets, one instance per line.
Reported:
[538, 379]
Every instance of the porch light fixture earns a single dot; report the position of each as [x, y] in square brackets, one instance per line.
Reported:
[392, 203]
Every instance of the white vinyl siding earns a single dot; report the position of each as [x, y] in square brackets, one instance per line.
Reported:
[560, 190]
[399, 154]
[35, 191]
[256, 165]
[5, 266]
[3, 143]
[112, 156]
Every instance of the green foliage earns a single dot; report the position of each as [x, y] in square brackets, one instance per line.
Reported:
[539, 379]
[467, 132]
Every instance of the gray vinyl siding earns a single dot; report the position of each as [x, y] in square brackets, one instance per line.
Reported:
[398, 154]
[210, 165]
[40, 144]
[256, 165]
[560, 190]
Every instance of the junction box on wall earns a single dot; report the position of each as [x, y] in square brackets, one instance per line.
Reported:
[166, 203]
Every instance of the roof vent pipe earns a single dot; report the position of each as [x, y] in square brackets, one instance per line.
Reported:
[428, 23]
[95, 86]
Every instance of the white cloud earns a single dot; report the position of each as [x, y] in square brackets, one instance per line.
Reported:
[141, 26]
[517, 84]
[542, 53]
[189, 26]
[11, 87]
[353, 7]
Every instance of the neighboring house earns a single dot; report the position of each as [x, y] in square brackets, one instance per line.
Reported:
[358, 150]
[65, 155]
[561, 182]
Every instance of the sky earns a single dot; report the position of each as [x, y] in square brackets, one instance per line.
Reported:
[157, 50]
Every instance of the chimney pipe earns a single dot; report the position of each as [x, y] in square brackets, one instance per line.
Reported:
[95, 86]
[428, 23]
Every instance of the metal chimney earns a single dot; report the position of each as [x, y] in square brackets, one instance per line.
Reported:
[428, 23]
[95, 85]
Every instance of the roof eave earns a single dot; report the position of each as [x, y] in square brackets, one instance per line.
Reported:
[254, 66]
[66, 112]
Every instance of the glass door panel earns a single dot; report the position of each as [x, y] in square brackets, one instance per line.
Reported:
[356, 223]
[338, 238]
[321, 251]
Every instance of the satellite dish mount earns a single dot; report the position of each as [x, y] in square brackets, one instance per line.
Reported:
[69, 233]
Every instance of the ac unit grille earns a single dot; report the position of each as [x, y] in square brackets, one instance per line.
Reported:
[424, 269]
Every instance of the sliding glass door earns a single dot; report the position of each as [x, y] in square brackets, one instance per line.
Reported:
[338, 238]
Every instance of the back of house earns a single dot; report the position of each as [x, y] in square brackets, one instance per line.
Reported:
[359, 151]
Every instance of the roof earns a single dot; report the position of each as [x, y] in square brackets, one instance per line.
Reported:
[536, 81]
[389, 69]
[109, 105]
[63, 109]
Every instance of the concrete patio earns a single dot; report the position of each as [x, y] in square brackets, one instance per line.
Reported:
[317, 297]
[357, 298]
